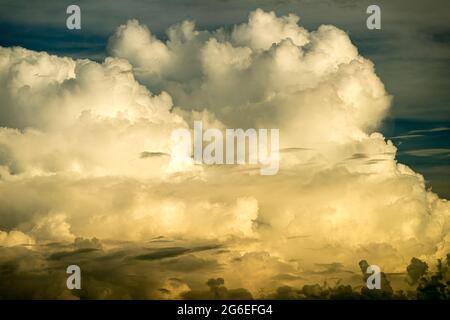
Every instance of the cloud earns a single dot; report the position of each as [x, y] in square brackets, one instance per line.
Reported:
[437, 129]
[84, 154]
[250, 78]
[408, 136]
[428, 152]
[265, 28]
[14, 238]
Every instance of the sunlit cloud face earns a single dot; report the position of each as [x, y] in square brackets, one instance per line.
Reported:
[85, 152]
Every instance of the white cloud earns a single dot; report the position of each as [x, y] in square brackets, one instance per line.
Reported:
[14, 238]
[265, 28]
[74, 132]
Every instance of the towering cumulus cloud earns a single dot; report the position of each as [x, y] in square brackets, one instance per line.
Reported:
[86, 174]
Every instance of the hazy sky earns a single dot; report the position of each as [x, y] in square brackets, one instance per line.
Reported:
[88, 174]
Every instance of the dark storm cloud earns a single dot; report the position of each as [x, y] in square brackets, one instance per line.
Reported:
[169, 252]
[163, 253]
[29, 274]
[41, 273]
[189, 263]
[66, 254]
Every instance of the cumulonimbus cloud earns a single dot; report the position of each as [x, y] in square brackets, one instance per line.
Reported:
[74, 132]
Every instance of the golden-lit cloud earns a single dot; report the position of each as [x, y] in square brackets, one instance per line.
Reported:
[85, 152]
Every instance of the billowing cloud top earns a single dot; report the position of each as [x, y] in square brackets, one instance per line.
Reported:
[85, 149]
